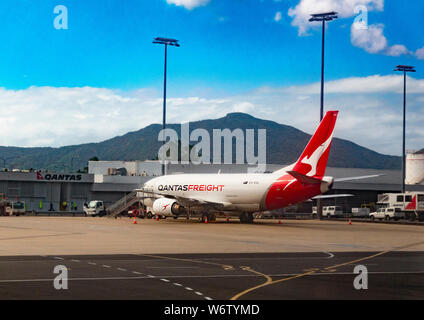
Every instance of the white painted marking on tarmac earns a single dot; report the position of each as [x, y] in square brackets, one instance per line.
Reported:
[330, 255]
[116, 278]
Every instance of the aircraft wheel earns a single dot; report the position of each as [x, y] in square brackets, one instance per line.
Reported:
[243, 217]
[211, 217]
[246, 217]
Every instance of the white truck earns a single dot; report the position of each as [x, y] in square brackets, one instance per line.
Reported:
[15, 208]
[95, 208]
[360, 212]
[411, 204]
[387, 214]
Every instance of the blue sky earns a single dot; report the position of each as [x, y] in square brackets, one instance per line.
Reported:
[225, 44]
[230, 51]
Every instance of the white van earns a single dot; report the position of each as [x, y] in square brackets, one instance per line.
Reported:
[332, 212]
[387, 214]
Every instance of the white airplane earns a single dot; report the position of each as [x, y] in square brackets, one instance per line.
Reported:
[245, 194]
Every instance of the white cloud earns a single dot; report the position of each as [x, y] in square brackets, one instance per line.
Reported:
[397, 50]
[373, 41]
[345, 9]
[370, 111]
[188, 4]
[278, 16]
[420, 53]
[358, 85]
[245, 107]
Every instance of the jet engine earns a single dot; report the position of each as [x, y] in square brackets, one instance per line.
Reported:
[168, 207]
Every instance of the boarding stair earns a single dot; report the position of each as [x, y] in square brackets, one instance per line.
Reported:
[122, 204]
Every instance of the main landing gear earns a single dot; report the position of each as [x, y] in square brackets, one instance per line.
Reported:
[246, 217]
[211, 217]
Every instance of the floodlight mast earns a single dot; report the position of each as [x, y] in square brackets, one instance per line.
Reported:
[404, 69]
[322, 17]
[166, 42]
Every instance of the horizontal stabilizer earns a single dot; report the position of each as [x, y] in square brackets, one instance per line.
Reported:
[358, 178]
[303, 179]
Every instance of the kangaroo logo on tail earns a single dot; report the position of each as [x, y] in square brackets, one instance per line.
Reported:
[313, 161]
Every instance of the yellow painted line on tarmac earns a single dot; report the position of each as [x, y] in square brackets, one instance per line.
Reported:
[267, 282]
[328, 269]
[355, 261]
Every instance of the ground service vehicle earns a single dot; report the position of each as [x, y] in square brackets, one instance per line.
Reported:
[15, 208]
[360, 212]
[95, 208]
[411, 204]
[387, 214]
[332, 212]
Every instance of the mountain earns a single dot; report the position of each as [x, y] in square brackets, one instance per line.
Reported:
[284, 145]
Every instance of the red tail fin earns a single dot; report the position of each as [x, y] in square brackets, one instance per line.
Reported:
[313, 160]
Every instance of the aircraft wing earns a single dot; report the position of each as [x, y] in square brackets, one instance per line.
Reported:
[331, 196]
[358, 178]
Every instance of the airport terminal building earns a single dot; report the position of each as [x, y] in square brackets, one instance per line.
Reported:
[109, 181]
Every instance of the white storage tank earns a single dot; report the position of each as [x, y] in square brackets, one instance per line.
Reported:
[415, 168]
